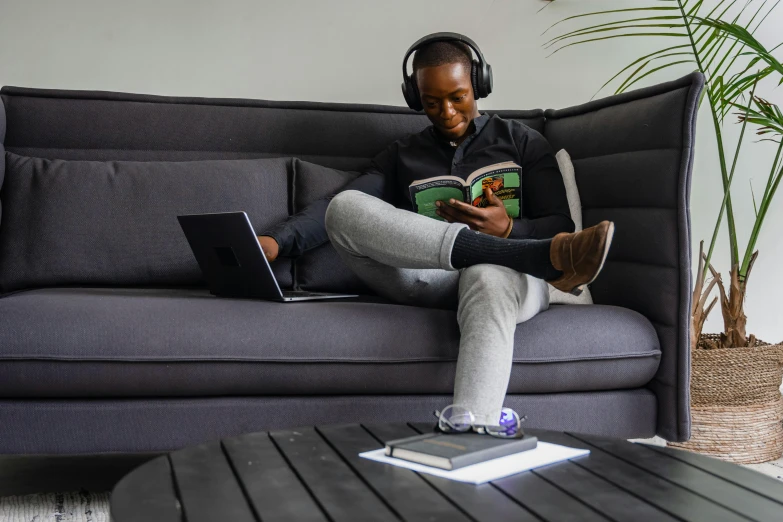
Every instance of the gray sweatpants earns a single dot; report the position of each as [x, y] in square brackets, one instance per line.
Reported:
[406, 258]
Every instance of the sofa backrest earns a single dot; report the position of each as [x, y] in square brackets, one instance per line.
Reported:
[106, 126]
[632, 157]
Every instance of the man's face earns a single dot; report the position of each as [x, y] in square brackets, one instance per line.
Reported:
[447, 97]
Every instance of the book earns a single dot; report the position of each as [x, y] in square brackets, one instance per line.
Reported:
[503, 178]
[544, 455]
[454, 451]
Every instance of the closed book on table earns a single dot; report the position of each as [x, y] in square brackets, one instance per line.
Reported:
[454, 451]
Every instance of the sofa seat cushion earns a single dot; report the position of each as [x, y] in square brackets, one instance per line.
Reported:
[131, 342]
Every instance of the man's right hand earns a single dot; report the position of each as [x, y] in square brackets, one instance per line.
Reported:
[269, 246]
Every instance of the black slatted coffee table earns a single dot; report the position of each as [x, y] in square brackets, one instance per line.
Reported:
[315, 474]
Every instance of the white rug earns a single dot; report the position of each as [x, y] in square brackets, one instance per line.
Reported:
[77, 506]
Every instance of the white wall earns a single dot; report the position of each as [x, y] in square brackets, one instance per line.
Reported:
[350, 51]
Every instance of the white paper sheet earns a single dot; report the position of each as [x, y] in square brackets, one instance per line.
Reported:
[482, 472]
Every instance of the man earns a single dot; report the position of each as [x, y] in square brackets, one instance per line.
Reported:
[492, 268]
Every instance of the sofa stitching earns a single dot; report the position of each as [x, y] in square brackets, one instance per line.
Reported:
[636, 355]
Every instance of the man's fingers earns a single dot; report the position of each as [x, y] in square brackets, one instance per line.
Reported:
[448, 213]
[452, 215]
[491, 197]
[464, 208]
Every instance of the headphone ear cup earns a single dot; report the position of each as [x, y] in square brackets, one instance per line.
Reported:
[487, 79]
[475, 80]
[411, 94]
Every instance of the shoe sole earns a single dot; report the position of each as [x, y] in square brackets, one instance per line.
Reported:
[609, 236]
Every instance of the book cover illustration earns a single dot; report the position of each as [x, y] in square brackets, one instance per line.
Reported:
[504, 179]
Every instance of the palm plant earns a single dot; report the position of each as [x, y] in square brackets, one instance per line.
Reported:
[718, 39]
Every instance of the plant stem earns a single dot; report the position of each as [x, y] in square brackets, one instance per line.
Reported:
[721, 157]
[733, 169]
[763, 207]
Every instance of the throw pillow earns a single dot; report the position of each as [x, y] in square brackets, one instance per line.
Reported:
[115, 222]
[322, 269]
[575, 206]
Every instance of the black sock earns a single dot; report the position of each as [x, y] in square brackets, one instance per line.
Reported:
[529, 256]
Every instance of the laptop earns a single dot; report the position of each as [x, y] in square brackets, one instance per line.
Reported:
[233, 262]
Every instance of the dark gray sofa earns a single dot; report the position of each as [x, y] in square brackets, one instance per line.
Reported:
[128, 362]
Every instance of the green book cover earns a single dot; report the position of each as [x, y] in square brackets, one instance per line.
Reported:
[503, 178]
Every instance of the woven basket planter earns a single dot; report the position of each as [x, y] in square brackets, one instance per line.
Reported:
[736, 405]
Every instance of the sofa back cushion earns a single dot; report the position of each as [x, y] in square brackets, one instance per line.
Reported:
[321, 269]
[115, 222]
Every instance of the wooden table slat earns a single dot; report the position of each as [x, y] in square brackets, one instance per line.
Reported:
[481, 502]
[744, 477]
[604, 497]
[202, 474]
[153, 494]
[269, 482]
[339, 491]
[652, 489]
[545, 500]
[719, 491]
[405, 491]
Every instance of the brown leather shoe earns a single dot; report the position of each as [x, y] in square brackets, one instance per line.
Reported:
[580, 256]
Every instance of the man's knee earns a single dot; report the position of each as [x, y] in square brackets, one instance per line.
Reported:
[336, 209]
[490, 281]
[343, 206]
[489, 276]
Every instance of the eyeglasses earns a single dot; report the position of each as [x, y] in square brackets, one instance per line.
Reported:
[456, 419]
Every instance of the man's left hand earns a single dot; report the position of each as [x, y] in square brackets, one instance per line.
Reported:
[492, 220]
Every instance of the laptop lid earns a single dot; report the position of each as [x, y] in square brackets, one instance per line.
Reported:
[231, 259]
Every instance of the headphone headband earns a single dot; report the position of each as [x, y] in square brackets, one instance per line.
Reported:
[440, 37]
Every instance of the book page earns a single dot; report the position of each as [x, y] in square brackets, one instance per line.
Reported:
[455, 179]
[489, 168]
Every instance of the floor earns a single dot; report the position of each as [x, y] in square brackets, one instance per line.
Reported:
[773, 469]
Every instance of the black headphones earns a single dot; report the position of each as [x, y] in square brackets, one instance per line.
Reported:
[480, 71]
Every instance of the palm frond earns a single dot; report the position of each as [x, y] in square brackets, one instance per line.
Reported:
[629, 84]
[636, 76]
[612, 11]
[731, 56]
[626, 35]
[742, 35]
[633, 23]
[643, 58]
[577, 34]
[718, 50]
[768, 116]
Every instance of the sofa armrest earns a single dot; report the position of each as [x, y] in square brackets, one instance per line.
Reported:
[633, 155]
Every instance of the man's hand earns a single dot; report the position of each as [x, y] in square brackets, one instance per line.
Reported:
[492, 220]
[269, 246]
